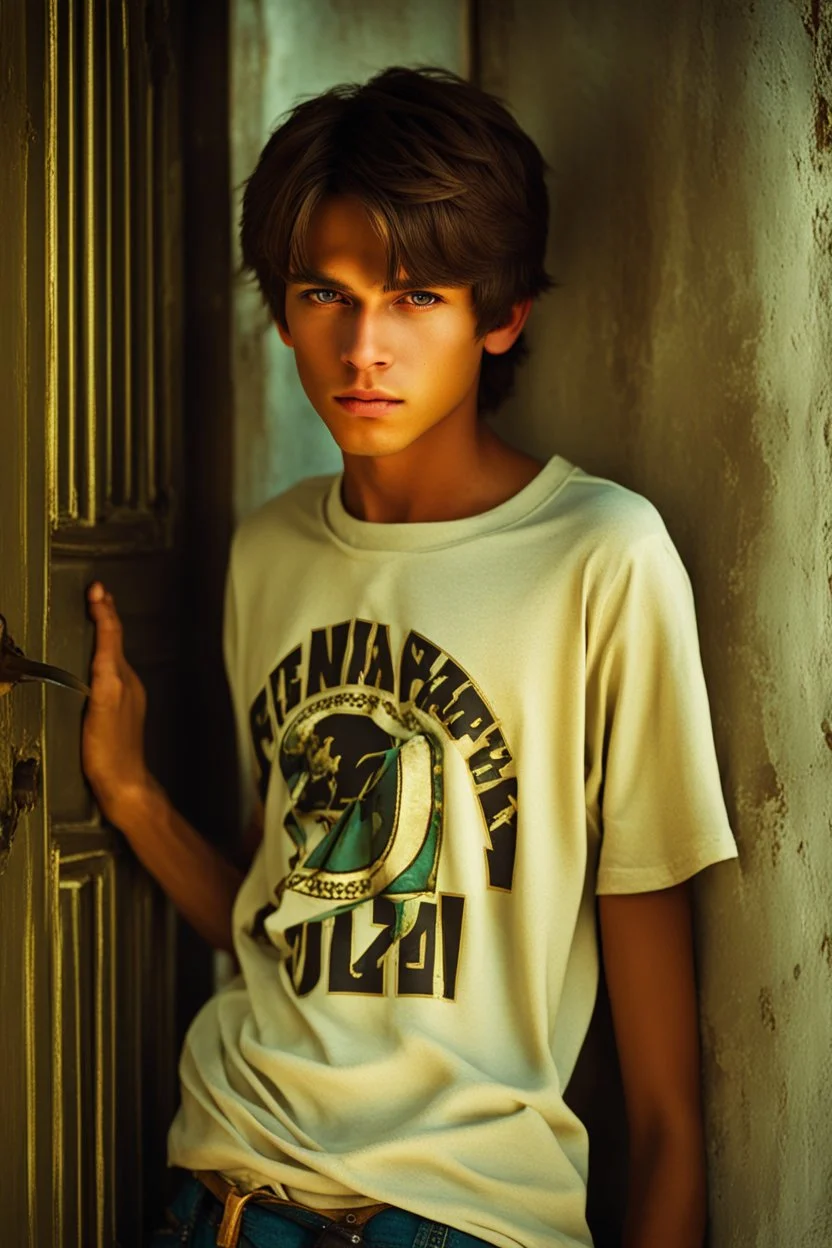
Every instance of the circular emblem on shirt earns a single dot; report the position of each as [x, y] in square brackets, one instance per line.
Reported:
[365, 783]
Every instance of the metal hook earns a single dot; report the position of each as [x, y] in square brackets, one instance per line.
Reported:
[15, 667]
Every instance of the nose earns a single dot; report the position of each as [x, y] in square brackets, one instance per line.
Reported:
[362, 347]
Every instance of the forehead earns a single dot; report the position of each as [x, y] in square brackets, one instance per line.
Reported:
[341, 227]
[343, 243]
[341, 235]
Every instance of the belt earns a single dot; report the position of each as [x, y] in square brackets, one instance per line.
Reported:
[347, 1221]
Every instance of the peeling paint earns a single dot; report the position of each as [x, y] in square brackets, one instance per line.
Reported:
[811, 19]
[823, 123]
[767, 1009]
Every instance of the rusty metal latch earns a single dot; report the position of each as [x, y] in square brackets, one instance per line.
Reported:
[24, 798]
[14, 667]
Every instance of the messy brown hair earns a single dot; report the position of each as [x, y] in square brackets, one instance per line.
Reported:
[452, 185]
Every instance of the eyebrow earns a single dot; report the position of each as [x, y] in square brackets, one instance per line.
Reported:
[307, 276]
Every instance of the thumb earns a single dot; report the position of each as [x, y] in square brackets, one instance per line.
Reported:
[108, 629]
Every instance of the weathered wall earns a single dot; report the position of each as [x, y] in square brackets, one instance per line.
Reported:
[283, 51]
[687, 353]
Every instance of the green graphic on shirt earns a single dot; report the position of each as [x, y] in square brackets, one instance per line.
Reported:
[352, 666]
[366, 808]
[358, 733]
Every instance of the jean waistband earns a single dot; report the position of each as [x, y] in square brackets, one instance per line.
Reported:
[292, 1226]
[234, 1202]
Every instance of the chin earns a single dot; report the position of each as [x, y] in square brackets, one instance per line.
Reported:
[371, 437]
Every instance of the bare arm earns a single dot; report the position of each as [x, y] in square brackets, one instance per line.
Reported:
[648, 959]
[199, 880]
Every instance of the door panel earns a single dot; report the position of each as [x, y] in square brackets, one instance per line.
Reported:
[25, 1049]
[90, 343]
[115, 462]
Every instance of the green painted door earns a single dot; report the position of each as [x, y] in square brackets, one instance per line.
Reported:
[90, 463]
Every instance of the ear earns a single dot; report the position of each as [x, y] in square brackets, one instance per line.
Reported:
[499, 340]
[285, 336]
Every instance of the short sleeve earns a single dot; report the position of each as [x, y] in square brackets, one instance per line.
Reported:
[231, 641]
[652, 772]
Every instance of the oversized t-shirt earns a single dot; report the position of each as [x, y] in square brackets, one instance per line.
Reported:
[461, 731]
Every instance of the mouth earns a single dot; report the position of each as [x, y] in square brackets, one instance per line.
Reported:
[368, 407]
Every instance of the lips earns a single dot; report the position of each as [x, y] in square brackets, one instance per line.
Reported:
[369, 396]
[367, 407]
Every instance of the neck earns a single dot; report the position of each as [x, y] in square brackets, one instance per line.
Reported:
[447, 474]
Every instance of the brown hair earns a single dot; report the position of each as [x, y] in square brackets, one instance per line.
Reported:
[453, 186]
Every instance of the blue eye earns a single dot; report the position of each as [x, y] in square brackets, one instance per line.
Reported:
[313, 296]
[307, 294]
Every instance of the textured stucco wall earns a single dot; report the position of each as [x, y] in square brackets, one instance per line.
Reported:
[687, 354]
[283, 51]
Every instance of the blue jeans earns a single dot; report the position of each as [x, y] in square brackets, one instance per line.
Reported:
[196, 1214]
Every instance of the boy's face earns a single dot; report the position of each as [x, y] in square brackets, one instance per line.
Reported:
[349, 334]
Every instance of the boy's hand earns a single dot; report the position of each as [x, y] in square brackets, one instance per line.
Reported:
[112, 744]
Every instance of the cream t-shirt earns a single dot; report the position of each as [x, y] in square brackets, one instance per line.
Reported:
[461, 731]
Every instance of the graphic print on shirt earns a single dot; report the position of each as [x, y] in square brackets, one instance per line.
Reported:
[360, 744]
[366, 815]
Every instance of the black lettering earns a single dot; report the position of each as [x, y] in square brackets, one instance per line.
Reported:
[418, 658]
[286, 685]
[327, 652]
[260, 724]
[435, 697]
[380, 667]
[489, 762]
[417, 954]
[468, 715]
[370, 661]
[499, 806]
[358, 659]
[303, 964]
[366, 974]
[451, 910]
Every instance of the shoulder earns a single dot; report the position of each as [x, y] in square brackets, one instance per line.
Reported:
[608, 512]
[611, 526]
[294, 515]
[622, 546]
[637, 594]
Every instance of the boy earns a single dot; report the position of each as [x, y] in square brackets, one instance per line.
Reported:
[469, 699]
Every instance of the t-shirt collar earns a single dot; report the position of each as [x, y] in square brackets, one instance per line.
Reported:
[434, 534]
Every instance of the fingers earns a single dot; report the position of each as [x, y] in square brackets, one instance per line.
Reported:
[108, 629]
[97, 595]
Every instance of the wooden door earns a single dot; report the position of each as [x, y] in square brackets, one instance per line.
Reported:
[90, 463]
